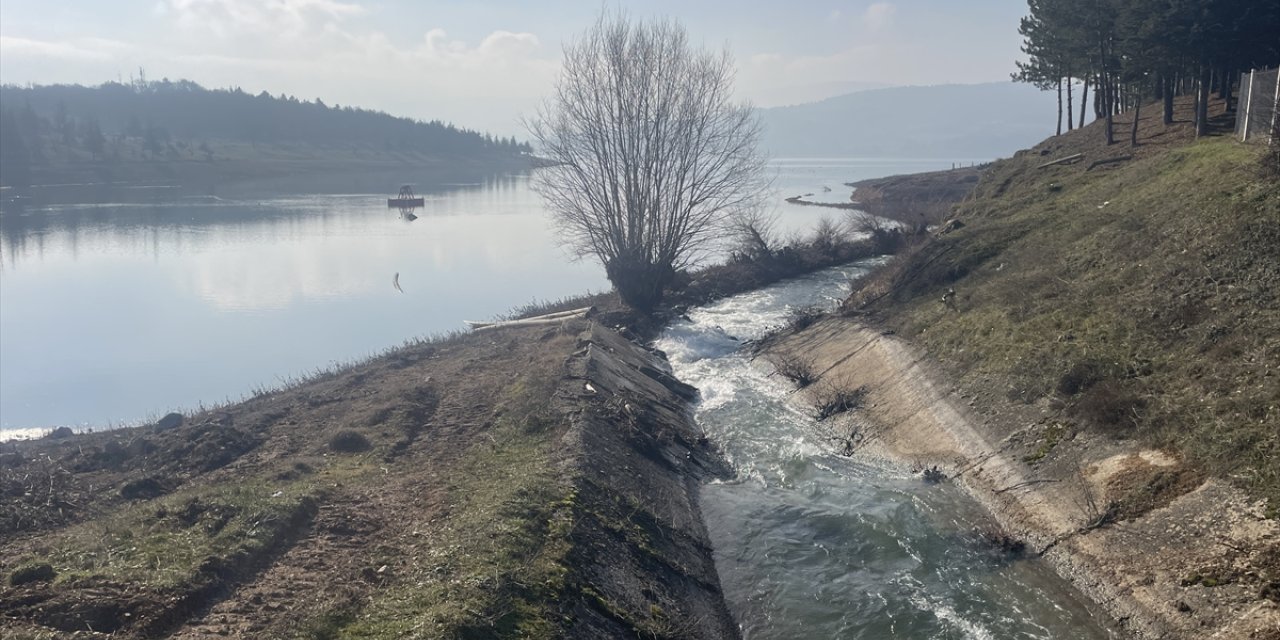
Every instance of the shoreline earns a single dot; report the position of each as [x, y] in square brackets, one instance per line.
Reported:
[267, 173]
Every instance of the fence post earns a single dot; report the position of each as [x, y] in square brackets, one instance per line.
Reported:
[1275, 106]
[1248, 105]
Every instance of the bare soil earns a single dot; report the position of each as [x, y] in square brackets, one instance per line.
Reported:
[474, 510]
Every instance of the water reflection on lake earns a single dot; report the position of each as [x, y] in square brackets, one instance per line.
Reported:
[112, 313]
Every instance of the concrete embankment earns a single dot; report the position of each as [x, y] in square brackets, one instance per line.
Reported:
[641, 550]
[1182, 564]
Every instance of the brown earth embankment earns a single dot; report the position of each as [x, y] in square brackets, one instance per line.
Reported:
[917, 197]
[534, 482]
[1181, 562]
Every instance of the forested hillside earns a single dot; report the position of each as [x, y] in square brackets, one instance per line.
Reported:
[1129, 51]
[113, 124]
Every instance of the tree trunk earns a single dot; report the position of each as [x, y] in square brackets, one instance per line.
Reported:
[1108, 100]
[1226, 89]
[1059, 107]
[1070, 119]
[1084, 99]
[1133, 131]
[1166, 89]
[1202, 102]
[1099, 89]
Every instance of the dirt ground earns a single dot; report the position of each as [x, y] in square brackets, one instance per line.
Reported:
[437, 491]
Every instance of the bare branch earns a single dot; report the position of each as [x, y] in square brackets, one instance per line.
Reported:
[651, 161]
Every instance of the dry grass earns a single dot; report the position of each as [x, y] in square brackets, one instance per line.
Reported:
[1142, 297]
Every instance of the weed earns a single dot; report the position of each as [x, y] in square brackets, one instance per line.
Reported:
[1050, 439]
[794, 368]
[348, 441]
[801, 318]
[834, 398]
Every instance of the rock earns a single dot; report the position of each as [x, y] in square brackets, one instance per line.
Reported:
[169, 421]
[32, 573]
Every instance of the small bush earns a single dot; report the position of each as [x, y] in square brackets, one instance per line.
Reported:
[833, 399]
[349, 442]
[801, 318]
[1110, 406]
[827, 236]
[1080, 377]
[43, 572]
[794, 368]
[1002, 540]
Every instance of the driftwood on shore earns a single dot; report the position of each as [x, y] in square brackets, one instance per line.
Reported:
[550, 318]
[830, 205]
[1071, 158]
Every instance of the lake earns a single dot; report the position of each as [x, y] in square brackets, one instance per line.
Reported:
[112, 314]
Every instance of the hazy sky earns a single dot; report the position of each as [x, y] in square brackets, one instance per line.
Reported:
[483, 64]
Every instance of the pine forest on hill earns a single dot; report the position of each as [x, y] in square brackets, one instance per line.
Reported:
[1127, 51]
[48, 129]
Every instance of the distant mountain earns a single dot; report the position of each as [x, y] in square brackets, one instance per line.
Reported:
[794, 94]
[943, 121]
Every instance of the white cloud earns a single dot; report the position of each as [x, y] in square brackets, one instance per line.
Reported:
[81, 49]
[280, 18]
[878, 16]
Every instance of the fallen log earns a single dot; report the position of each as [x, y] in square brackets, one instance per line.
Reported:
[550, 318]
[1070, 158]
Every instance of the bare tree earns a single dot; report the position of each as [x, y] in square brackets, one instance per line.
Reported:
[652, 159]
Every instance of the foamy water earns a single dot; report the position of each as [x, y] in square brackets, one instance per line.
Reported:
[811, 544]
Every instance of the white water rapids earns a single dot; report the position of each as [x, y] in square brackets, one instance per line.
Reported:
[811, 544]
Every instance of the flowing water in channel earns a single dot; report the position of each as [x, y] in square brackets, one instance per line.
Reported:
[810, 544]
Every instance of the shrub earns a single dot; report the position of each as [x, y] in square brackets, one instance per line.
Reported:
[1110, 406]
[827, 236]
[801, 318]
[43, 572]
[1080, 377]
[836, 398]
[349, 442]
[794, 368]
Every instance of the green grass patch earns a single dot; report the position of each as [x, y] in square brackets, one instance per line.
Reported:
[496, 566]
[164, 544]
[1144, 300]
[1052, 436]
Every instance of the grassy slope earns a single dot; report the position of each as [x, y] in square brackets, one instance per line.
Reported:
[455, 520]
[1143, 297]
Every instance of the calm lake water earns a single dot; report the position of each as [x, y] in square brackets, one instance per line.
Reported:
[112, 314]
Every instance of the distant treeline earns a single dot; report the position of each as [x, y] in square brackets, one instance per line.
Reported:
[141, 120]
[1129, 51]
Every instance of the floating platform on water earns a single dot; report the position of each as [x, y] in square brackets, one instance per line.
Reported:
[406, 199]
